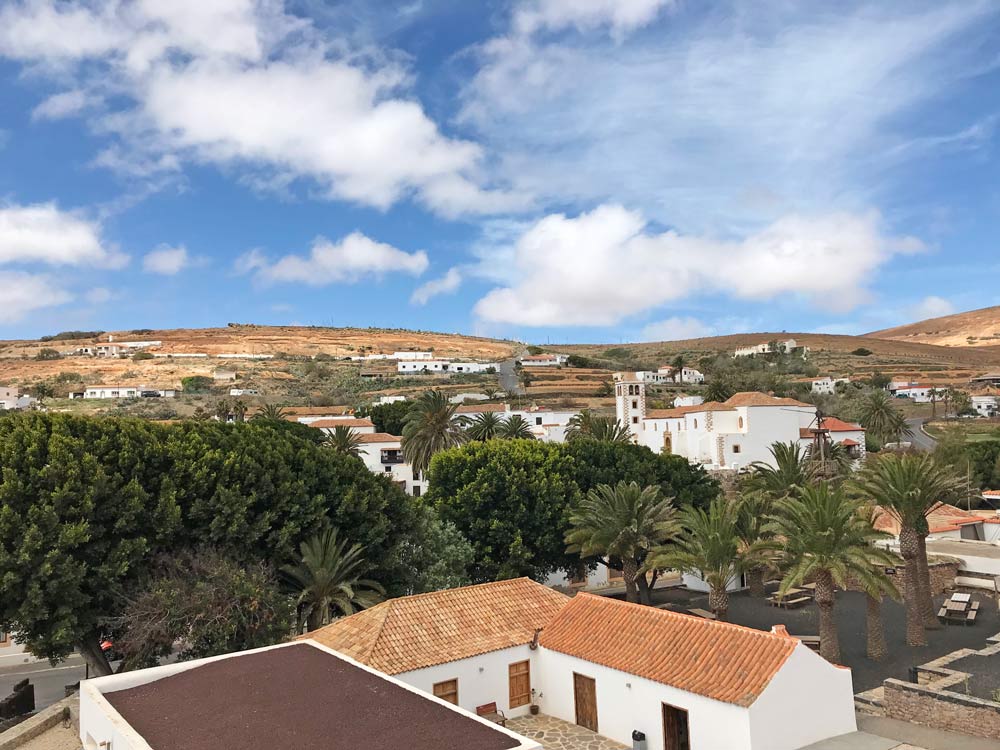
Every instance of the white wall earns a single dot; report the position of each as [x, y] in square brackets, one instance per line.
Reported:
[626, 702]
[481, 679]
[807, 701]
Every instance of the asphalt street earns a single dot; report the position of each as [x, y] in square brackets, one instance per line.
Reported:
[50, 682]
[920, 440]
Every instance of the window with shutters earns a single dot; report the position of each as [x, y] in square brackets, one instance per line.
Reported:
[447, 691]
[520, 683]
[4, 639]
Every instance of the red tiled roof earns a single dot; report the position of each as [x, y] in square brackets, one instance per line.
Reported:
[755, 398]
[943, 517]
[991, 493]
[378, 437]
[718, 660]
[838, 425]
[413, 632]
[849, 442]
[316, 411]
[346, 422]
[680, 411]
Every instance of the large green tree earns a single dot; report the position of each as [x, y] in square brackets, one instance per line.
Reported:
[510, 499]
[878, 414]
[83, 503]
[387, 417]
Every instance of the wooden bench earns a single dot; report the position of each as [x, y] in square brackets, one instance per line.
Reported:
[703, 613]
[490, 712]
[797, 602]
[970, 618]
[974, 606]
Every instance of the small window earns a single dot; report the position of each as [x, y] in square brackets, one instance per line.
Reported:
[696, 424]
[736, 449]
[741, 422]
[388, 469]
[538, 420]
[416, 490]
[635, 420]
[447, 691]
[635, 404]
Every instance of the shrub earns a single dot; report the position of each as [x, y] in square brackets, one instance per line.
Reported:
[862, 352]
[140, 356]
[48, 354]
[196, 384]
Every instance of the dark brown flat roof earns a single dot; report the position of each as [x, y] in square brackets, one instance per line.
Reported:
[294, 697]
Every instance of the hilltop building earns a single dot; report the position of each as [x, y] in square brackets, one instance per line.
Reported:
[788, 346]
[543, 360]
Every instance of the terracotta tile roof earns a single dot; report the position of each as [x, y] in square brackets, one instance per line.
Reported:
[346, 422]
[316, 411]
[838, 425]
[679, 411]
[378, 437]
[718, 660]
[991, 493]
[413, 632]
[755, 398]
[848, 442]
[480, 408]
[943, 517]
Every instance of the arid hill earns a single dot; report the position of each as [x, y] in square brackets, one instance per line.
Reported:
[975, 328]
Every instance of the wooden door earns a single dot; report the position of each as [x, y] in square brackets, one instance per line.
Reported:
[519, 681]
[585, 696]
[675, 728]
[447, 691]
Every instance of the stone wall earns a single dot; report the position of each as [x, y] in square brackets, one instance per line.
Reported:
[943, 574]
[939, 699]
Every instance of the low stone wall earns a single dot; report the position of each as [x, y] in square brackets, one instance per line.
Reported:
[936, 701]
[943, 572]
[66, 710]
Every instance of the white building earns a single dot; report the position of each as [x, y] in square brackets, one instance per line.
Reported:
[543, 360]
[986, 406]
[298, 695]
[383, 454]
[244, 392]
[730, 435]
[662, 375]
[607, 665]
[11, 399]
[827, 385]
[128, 391]
[361, 426]
[838, 432]
[547, 425]
[382, 400]
[689, 375]
[423, 366]
[922, 393]
[472, 368]
[411, 355]
[688, 401]
[767, 347]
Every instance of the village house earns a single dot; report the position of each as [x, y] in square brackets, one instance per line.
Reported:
[421, 367]
[383, 454]
[244, 392]
[827, 385]
[547, 425]
[837, 432]
[612, 667]
[769, 347]
[297, 695]
[986, 406]
[128, 391]
[990, 378]
[921, 393]
[730, 435]
[543, 360]
[663, 375]
[361, 426]
[11, 399]
[310, 414]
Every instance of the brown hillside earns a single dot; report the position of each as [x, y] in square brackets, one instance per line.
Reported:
[969, 329]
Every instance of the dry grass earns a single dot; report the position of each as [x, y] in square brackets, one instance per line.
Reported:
[977, 328]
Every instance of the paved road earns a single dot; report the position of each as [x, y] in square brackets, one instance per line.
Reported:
[508, 378]
[49, 682]
[919, 439]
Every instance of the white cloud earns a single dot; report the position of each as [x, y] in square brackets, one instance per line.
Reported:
[250, 261]
[931, 307]
[166, 261]
[347, 261]
[620, 15]
[22, 293]
[705, 124]
[676, 329]
[604, 266]
[65, 104]
[243, 84]
[450, 282]
[42, 233]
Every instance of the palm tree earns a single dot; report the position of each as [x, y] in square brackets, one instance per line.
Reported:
[790, 472]
[835, 461]
[719, 389]
[491, 393]
[880, 417]
[344, 440]
[328, 579]
[625, 521]
[825, 538]
[709, 547]
[269, 413]
[586, 424]
[430, 426]
[754, 530]
[223, 409]
[239, 409]
[909, 487]
[875, 648]
[485, 426]
[516, 427]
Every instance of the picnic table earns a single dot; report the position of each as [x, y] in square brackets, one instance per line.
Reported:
[792, 599]
[959, 609]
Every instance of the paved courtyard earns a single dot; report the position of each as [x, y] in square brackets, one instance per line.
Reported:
[556, 734]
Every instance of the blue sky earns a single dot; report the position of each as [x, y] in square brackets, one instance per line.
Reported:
[550, 170]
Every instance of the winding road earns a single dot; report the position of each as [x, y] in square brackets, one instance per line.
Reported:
[920, 439]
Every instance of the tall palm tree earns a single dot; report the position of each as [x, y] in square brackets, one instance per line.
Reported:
[344, 440]
[625, 521]
[789, 473]
[516, 427]
[909, 487]
[239, 408]
[580, 424]
[485, 426]
[880, 417]
[719, 389]
[328, 579]
[754, 508]
[825, 537]
[269, 413]
[709, 547]
[832, 461]
[430, 426]
[875, 648]
[223, 409]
